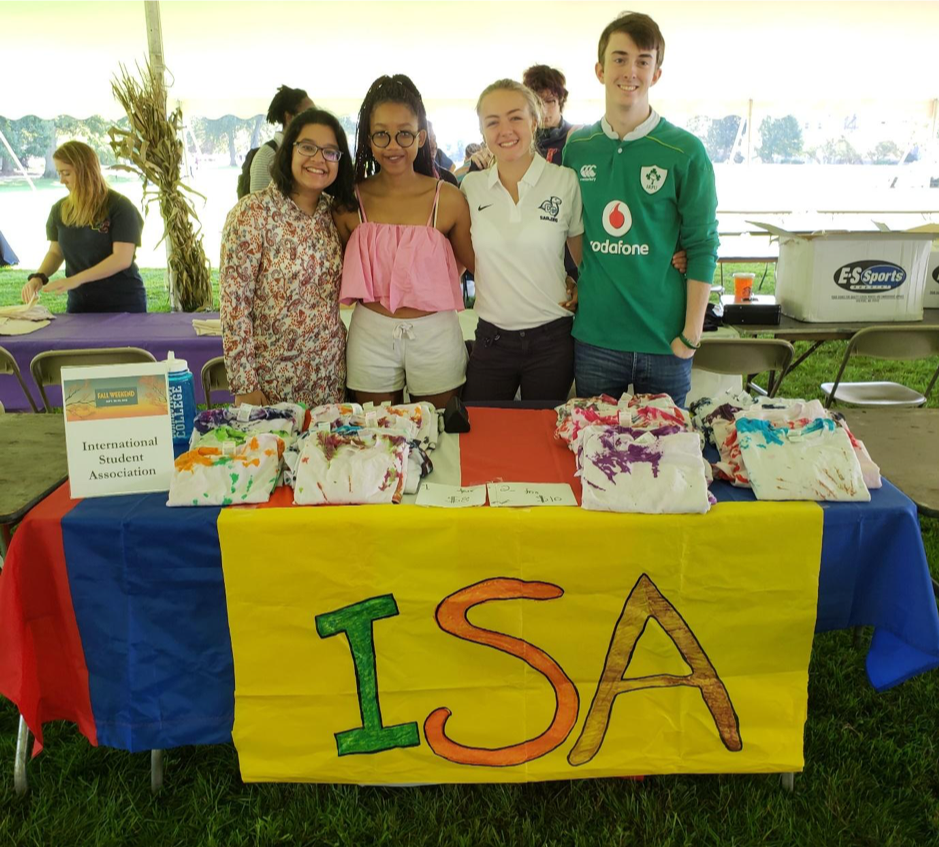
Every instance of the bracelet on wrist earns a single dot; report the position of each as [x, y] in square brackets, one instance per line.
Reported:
[40, 276]
[687, 343]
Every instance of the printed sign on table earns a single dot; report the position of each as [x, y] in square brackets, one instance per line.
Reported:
[117, 429]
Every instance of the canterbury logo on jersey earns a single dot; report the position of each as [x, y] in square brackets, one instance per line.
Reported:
[588, 173]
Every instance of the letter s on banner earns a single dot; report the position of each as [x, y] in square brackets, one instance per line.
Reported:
[451, 616]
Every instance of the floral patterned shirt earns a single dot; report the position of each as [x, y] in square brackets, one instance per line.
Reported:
[279, 275]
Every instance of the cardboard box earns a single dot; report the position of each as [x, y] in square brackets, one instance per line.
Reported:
[851, 276]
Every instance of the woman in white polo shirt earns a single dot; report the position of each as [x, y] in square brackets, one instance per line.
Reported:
[524, 211]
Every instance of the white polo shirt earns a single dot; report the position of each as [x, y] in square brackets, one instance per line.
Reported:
[520, 276]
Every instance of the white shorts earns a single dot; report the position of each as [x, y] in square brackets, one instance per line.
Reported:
[383, 354]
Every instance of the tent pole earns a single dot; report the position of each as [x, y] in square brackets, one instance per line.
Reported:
[16, 159]
[158, 68]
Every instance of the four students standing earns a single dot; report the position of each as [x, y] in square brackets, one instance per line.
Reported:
[634, 189]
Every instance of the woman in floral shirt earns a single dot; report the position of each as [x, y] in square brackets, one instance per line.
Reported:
[281, 266]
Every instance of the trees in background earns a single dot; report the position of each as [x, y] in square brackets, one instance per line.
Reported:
[780, 139]
[33, 137]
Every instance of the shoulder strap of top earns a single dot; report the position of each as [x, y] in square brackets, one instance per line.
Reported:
[362, 217]
[432, 220]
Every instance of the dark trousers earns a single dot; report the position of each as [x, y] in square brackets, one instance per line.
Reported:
[539, 360]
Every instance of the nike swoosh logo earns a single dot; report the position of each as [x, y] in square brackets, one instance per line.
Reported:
[484, 207]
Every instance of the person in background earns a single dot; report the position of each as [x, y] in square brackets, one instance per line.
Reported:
[7, 256]
[280, 269]
[524, 212]
[468, 152]
[646, 185]
[287, 102]
[441, 159]
[404, 245]
[550, 85]
[96, 232]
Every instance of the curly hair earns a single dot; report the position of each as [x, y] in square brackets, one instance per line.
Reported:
[544, 78]
[342, 189]
[390, 89]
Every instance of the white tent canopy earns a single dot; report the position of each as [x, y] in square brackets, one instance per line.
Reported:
[228, 58]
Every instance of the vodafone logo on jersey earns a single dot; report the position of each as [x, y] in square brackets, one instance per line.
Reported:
[617, 219]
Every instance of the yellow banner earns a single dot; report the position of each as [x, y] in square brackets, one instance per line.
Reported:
[396, 644]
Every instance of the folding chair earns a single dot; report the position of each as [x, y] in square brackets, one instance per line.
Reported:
[885, 342]
[8, 366]
[214, 378]
[748, 357]
[46, 368]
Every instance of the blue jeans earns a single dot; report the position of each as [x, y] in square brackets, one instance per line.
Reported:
[601, 371]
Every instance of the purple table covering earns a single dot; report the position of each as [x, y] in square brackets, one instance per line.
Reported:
[158, 332]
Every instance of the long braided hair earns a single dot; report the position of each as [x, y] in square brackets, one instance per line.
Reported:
[390, 89]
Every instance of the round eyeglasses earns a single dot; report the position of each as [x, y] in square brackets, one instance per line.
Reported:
[309, 150]
[404, 137]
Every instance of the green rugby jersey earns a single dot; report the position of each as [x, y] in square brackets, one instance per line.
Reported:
[642, 199]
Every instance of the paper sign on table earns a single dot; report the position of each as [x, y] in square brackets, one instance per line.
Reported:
[117, 429]
[451, 496]
[531, 494]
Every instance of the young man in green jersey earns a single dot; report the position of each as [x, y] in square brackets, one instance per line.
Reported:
[647, 188]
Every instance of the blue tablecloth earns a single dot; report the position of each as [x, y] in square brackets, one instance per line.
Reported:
[141, 668]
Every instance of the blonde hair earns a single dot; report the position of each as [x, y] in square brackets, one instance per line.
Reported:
[531, 99]
[87, 202]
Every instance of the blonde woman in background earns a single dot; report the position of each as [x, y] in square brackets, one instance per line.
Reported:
[96, 232]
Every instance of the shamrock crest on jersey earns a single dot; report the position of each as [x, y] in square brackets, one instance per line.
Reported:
[652, 178]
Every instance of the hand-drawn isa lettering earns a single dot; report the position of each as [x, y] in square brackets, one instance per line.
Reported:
[645, 601]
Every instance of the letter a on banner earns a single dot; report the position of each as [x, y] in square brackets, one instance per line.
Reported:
[646, 601]
[356, 622]
[451, 616]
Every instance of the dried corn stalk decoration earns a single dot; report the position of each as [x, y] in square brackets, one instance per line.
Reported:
[153, 148]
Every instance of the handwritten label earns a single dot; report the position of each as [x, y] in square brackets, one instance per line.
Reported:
[450, 496]
[530, 494]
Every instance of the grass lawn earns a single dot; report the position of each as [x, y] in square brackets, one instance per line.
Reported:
[871, 775]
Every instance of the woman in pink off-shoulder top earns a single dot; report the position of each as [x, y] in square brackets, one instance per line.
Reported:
[406, 245]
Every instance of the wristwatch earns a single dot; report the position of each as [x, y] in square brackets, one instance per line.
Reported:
[43, 278]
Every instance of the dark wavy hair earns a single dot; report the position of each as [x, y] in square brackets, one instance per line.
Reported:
[390, 89]
[544, 78]
[286, 99]
[641, 29]
[343, 188]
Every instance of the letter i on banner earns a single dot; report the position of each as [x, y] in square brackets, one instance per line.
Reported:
[356, 622]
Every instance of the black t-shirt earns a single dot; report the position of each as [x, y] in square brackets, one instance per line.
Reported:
[447, 176]
[442, 160]
[84, 247]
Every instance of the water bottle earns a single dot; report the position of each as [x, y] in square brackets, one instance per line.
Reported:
[182, 399]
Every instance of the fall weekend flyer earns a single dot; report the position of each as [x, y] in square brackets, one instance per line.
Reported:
[117, 429]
